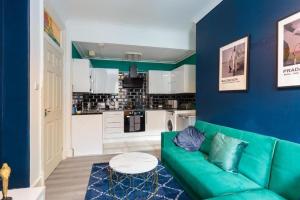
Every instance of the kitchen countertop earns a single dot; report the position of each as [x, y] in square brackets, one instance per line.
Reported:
[99, 112]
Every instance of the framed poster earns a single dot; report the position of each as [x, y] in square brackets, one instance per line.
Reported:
[288, 63]
[233, 66]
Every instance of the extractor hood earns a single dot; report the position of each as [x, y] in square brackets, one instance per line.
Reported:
[133, 81]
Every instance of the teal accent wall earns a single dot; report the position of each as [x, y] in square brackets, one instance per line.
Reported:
[124, 65]
[142, 66]
[189, 60]
[75, 53]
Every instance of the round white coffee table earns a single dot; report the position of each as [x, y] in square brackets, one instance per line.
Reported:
[133, 175]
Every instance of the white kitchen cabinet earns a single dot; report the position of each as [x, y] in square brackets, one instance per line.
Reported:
[176, 81]
[159, 82]
[183, 79]
[87, 134]
[112, 81]
[98, 80]
[156, 121]
[189, 79]
[81, 75]
[105, 80]
[113, 123]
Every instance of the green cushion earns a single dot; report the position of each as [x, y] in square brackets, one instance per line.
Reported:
[285, 176]
[203, 178]
[256, 161]
[251, 195]
[257, 157]
[226, 152]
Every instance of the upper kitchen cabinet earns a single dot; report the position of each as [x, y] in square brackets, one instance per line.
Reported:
[183, 79]
[105, 81]
[98, 79]
[81, 75]
[159, 82]
[112, 81]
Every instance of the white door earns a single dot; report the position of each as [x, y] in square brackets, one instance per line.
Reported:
[53, 133]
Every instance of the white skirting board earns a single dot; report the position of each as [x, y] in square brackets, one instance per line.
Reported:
[33, 193]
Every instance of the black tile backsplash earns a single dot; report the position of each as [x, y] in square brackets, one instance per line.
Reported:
[132, 97]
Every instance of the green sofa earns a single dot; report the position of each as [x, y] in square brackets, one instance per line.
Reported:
[269, 168]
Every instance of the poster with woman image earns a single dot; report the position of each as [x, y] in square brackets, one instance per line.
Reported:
[233, 66]
[289, 51]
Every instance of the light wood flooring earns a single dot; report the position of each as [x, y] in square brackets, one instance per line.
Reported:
[69, 180]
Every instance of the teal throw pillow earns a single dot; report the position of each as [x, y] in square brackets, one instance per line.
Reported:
[226, 152]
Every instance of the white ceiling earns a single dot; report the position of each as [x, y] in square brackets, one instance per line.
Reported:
[117, 52]
[169, 14]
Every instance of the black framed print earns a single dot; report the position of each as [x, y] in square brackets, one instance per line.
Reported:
[288, 55]
[233, 66]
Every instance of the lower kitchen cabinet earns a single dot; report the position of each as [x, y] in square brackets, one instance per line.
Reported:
[87, 131]
[113, 123]
[156, 121]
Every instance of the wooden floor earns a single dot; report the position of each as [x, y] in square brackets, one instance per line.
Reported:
[69, 180]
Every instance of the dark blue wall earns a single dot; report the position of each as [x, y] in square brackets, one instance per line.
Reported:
[1, 77]
[14, 82]
[264, 108]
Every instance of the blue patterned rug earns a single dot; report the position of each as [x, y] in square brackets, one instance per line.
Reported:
[98, 187]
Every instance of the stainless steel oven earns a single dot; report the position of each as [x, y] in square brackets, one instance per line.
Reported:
[134, 121]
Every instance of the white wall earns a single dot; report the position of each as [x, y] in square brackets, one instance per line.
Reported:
[36, 87]
[36, 64]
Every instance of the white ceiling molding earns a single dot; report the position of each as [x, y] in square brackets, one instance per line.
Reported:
[209, 7]
[107, 51]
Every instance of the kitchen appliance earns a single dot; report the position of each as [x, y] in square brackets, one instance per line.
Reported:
[172, 104]
[133, 81]
[101, 106]
[134, 121]
[170, 121]
[180, 119]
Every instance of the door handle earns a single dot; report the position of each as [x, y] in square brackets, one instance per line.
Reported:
[46, 112]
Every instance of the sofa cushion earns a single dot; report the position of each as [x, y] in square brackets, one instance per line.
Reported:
[250, 195]
[194, 161]
[285, 175]
[257, 157]
[226, 152]
[189, 139]
[203, 178]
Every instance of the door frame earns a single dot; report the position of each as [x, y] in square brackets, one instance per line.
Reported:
[61, 50]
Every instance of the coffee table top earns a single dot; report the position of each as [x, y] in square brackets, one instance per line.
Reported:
[133, 163]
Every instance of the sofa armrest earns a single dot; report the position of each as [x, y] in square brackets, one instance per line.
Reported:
[167, 139]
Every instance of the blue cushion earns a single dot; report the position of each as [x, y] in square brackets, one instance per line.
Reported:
[189, 139]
